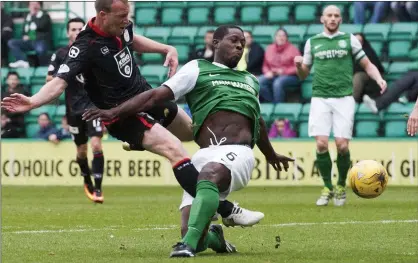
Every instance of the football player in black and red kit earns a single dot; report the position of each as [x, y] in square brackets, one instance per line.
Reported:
[102, 53]
[76, 102]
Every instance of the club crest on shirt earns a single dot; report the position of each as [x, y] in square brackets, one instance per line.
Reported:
[124, 61]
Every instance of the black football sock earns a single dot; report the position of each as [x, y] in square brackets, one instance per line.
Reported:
[98, 167]
[186, 174]
[85, 170]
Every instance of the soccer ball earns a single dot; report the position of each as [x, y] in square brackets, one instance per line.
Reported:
[368, 179]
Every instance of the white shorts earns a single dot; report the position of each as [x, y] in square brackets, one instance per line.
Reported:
[335, 113]
[238, 159]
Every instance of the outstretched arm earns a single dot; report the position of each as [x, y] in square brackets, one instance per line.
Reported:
[268, 151]
[140, 103]
[177, 86]
[142, 44]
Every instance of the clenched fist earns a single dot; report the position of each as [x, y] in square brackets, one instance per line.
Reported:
[298, 61]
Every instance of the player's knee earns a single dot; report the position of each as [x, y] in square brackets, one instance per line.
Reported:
[216, 173]
[322, 145]
[96, 144]
[342, 146]
[82, 151]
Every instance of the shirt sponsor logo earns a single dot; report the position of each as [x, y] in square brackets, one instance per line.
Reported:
[124, 61]
[234, 84]
[333, 53]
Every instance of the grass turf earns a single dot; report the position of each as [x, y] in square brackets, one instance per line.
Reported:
[140, 224]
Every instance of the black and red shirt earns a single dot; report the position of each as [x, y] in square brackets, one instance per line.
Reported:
[111, 75]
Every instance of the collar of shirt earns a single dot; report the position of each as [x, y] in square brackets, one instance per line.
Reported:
[221, 65]
[332, 35]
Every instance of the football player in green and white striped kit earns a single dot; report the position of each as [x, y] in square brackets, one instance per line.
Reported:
[332, 53]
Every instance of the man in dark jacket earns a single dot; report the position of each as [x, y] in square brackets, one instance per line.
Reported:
[253, 56]
[6, 34]
[207, 51]
[36, 36]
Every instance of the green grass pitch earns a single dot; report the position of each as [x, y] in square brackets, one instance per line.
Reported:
[140, 224]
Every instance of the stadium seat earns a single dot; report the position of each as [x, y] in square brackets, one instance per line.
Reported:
[296, 32]
[264, 34]
[278, 14]
[198, 15]
[313, 30]
[398, 111]
[33, 114]
[266, 111]
[4, 72]
[403, 31]
[183, 51]
[289, 111]
[227, 4]
[397, 69]
[61, 110]
[154, 73]
[351, 28]
[31, 130]
[152, 58]
[306, 90]
[396, 129]
[25, 74]
[305, 13]
[159, 34]
[182, 35]
[377, 32]
[191, 4]
[199, 38]
[35, 88]
[251, 14]
[153, 4]
[146, 16]
[304, 113]
[399, 49]
[59, 35]
[377, 47]
[172, 16]
[363, 113]
[367, 129]
[39, 75]
[139, 30]
[178, 4]
[224, 14]
[252, 3]
[304, 130]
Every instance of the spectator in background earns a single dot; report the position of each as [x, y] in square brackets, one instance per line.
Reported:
[405, 11]
[253, 56]
[47, 131]
[281, 129]
[62, 133]
[207, 51]
[408, 84]
[8, 129]
[279, 70]
[13, 86]
[378, 13]
[36, 37]
[6, 35]
[362, 83]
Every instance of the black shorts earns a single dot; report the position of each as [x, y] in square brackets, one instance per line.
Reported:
[131, 129]
[81, 130]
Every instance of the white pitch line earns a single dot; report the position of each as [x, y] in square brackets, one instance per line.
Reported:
[170, 227]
